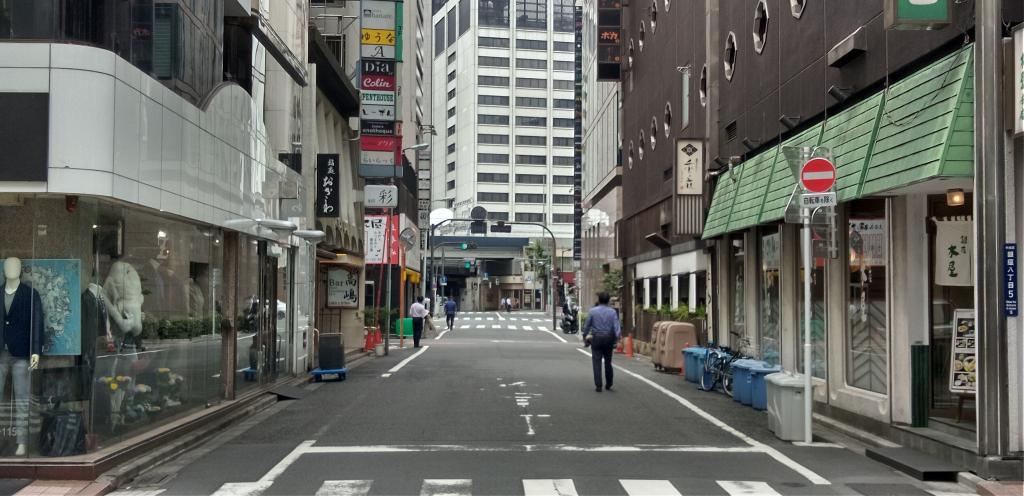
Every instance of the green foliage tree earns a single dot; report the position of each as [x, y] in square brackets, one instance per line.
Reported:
[612, 283]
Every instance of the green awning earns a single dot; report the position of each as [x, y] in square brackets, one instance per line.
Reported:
[921, 129]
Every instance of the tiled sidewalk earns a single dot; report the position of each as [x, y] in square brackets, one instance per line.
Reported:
[64, 488]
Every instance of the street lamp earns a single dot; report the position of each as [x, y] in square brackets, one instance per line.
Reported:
[417, 146]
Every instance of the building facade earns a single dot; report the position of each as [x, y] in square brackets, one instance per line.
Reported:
[150, 214]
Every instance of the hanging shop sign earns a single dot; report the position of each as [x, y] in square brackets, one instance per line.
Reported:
[689, 167]
[377, 52]
[370, 97]
[328, 202]
[377, 14]
[609, 40]
[379, 143]
[1010, 279]
[376, 128]
[917, 14]
[963, 370]
[377, 112]
[377, 67]
[867, 242]
[377, 82]
[953, 252]
[375, 227]
[380, 196]
[342, 287]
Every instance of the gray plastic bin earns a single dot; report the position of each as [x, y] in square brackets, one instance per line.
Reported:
[786, 405]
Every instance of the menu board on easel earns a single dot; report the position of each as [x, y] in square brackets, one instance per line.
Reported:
[963, 369]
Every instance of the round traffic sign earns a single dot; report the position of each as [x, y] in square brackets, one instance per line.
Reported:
[818, 175]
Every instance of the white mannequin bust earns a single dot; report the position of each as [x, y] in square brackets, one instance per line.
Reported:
[123, 289]
[12, 274]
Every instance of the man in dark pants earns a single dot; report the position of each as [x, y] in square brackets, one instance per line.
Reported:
[601, 331]
[418, 312]
[450, 308]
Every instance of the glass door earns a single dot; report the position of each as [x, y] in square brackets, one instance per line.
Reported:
[268, 335]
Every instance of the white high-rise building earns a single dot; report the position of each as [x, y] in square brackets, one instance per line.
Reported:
[502, 106]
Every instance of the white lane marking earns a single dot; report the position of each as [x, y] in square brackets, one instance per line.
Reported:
[518, 383]
[464, 326]
[549, 487]
[738, 488]
[512, 328]
[495, 326]
[635, 487]
[344, 488]
[439, 336]
[527, 328]
[499, 316]
[545, 329]
[405, 362]
[479, 318]
[531, 448]
[768, 450]
[385, 375]
[805, 444]
[480, 326]
[490, 319]
[446, 487]
[529, 425]
[243, 488]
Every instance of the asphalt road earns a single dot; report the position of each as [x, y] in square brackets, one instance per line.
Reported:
[503, 404]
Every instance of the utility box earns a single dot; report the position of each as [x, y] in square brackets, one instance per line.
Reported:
[786, 405]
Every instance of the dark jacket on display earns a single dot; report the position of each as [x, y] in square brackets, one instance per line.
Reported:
[23, 324]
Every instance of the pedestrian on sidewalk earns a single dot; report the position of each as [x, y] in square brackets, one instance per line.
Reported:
[450, 308]
[602, 331]
[418, 312]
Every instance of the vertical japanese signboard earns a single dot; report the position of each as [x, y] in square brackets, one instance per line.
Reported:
[689, 167]
[378, 83]
[963, 369]
[954, 252]
[1010, 279]
[342, 287]
[609, 40]
[917, 14]
[327, 201]
[1017, 112]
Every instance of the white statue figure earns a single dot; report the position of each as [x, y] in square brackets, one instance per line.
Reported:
[22, 343]
[124, 299]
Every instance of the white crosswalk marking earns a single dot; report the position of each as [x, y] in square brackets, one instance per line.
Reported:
[464, 326]
[481, 326]
[635, 487]
[738, 488]
[479, 318]
[545, 329]
[527, 328]
[512, 328]
[345, 488]
[549, 487]
[446, 487]
[491, 319]
[495, 326]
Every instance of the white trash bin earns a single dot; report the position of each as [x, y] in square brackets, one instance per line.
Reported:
[786, 405]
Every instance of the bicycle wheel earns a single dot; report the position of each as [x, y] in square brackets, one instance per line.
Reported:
[727, 383]
[708, 381]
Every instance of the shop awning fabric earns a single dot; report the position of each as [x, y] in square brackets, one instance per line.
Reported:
[920, 129]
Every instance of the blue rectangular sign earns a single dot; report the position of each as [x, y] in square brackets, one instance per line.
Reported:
[1010, 279]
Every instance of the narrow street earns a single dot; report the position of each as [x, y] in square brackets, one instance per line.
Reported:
[504, 404]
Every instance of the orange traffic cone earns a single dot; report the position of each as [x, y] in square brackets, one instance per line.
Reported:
[629, 346]
[618, 347]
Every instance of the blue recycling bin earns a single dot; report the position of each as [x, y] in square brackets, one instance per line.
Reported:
[758, 389]
[699, 358]
[741, 380]
[693, 370]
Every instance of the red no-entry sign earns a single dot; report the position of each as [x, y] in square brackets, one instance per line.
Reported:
[818, 175]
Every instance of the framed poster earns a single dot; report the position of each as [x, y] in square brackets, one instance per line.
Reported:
[342, 287]
[59, 286]
[963, 367]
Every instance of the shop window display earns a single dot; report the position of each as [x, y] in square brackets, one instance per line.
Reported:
[867, 317]
[817, 275]
[114, 323]
[738, 330]
[770, 264]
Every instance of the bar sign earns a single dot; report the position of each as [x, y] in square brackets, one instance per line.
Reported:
[1010, 279]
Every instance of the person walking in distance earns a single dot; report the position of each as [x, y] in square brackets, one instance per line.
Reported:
[450, 307]
[601, 331]
[418, 312]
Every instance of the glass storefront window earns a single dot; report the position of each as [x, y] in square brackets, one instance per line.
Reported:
[867, 315]
[769, 311]
[128, 322]
[818, 281]
[738, 330]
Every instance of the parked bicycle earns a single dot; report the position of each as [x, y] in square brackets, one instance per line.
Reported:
[718, 367]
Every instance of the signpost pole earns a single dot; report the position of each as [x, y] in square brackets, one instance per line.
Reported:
[387, 260]
[808, 259]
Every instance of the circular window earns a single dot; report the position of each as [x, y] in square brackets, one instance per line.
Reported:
[702, 89]
[760, 26]
[629, 158]
[640, 149]
[654, 133]
[729, 60]
[797, 7]
[668, 4]
[667, 124]
[643, 35]
[654, 15]
[631, 51]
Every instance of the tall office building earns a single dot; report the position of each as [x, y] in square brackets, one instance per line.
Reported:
[502, 106]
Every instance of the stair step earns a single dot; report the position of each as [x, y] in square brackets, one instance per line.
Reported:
[919, 465]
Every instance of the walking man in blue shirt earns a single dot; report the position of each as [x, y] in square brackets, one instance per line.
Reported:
[450, 307]
[601, 331]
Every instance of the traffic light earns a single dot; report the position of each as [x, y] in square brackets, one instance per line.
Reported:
[501, 227]
[468, 265]
[467, 246]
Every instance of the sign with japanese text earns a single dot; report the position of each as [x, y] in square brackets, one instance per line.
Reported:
[377, 244]
[963, 369]
[1010, 279]
[609, 41]
[378, 37]
[868, 243]
[380, 196]
[953, 252]
[379, 143]
[342, 286]
[689, 167]
[378, 111]
[376, 157]
[328, 202]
